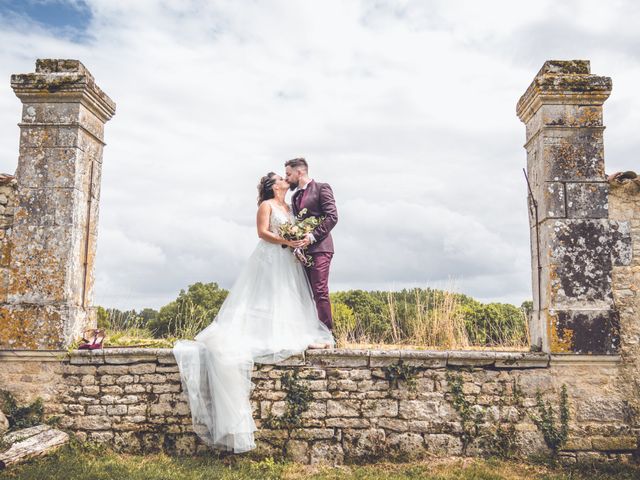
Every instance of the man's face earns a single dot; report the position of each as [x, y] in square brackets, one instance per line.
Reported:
[292, 175]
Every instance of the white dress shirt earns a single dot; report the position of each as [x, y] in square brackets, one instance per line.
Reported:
[311, 237]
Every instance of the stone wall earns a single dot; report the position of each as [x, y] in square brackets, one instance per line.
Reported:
[624, 207]
[7, 210]
[132, 399]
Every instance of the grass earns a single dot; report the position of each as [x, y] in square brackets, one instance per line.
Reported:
[414, 319]
[434, 321]
[130, 337]
[84, 461]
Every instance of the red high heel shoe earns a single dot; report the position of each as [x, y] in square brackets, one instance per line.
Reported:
[95, 342]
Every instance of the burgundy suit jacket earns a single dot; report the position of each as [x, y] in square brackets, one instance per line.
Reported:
[318, 199]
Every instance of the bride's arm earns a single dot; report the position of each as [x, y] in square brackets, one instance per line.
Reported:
[262, 221]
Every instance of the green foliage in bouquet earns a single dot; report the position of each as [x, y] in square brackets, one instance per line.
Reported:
[298, 230]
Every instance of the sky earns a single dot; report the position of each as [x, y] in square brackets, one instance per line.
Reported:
[406, 108]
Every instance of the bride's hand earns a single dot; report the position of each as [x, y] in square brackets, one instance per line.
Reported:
[295, 243]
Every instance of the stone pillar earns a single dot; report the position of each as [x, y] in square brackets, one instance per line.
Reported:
[53, 239]
[577, 244]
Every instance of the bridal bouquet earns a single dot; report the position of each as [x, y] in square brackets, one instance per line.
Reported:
[297, 230]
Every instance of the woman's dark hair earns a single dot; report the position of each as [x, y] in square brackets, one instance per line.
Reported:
[265, 187]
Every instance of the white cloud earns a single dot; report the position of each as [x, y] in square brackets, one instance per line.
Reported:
[407, 108]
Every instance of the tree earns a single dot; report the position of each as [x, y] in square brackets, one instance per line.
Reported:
[148, 315]
[102, 316]
[494, 323]
[371, 313]
[190, 312]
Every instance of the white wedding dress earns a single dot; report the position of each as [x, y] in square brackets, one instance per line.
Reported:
[268, 316]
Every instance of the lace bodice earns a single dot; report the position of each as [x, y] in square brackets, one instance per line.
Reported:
[278, 217]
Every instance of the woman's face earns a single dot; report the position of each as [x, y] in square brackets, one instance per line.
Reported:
[281, 184]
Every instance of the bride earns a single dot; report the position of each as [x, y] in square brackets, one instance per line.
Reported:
[268, 316]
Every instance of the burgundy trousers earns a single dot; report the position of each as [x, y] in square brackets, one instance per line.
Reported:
[319, 278]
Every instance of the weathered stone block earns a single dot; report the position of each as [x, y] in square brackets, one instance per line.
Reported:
[93, 422]
[622, 244]
[128, 399]
[551, 201]
[330, 453]
[346, 385]
[44, 167]
[577, 443]
[364, 443]
[571, 155]
[298, 451]
[101, 437]
[586, 332]
[113, 370]
[153, 378]
[117, 409]
[348, 422]
[521, 360]
[343, 408]
[314, 433]
[383, 358]
[424, 358]
[143, 368]
[407, 446]
[125, 358]
[334, 358]
[471, 358]
[91, 390]
[374, 385]
[443, 445]
[587, 200]
[124, 379]
[166, 388]
[418, 409]
[379, 408]
[620, 443]
[312, 373]
[598, 408]
[115, 389]
[315, 410]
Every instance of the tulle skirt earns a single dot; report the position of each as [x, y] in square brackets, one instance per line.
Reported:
[268, 316]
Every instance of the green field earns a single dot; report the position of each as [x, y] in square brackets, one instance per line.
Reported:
[85, 462]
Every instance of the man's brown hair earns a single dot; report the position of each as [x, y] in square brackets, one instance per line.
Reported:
[297, 162]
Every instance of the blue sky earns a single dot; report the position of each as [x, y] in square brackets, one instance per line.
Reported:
[59, 16]
[407, 108]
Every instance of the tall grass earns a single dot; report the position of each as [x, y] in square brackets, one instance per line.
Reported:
[188, 321]
[503, 334]
[123, 321]
[427, 318]
[416, 318]
[438, 320]
[434, 318]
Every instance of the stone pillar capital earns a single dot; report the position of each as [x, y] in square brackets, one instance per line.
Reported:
[563, 82]
[63, 81]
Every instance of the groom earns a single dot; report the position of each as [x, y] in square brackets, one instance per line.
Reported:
[317, 198]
